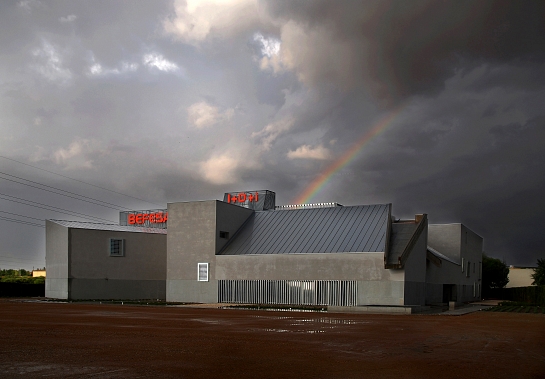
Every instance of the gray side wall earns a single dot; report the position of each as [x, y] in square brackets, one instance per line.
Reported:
[229, 218]
[193, 238]
[94, 274]
[462, 245]
[415, 272]
[446, 239]
[448, 273]
[472, 252]
[56, 261]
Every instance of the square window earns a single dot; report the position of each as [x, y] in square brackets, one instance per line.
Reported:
[117, 247]
[202, 272]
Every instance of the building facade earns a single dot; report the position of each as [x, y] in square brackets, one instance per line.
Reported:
[247, 250]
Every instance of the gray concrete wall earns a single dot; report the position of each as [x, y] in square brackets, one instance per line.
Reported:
[56, 261]
[229, 218]
[415, 272]
[121, 289]
[193, 238]
[446, 239]
[139, 274]
[381, 292]
[376, 285]
[462, 245]
[327, 266]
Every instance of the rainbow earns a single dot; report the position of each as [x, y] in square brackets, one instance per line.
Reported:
[317, 184]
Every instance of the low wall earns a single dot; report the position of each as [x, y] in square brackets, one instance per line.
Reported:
[531, 295]
[22, 290]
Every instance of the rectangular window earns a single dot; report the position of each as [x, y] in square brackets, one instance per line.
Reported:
[224, 235]
[480, 269]
[474, 267]
[202, 272]
[117, 247]
[462, 264]
[468, 268]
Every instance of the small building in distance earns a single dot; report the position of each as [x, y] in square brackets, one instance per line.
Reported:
[38, 273]
[520, 277]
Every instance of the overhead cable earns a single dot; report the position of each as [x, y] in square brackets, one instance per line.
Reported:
[50, 208]
[94, 201]
[79, 181]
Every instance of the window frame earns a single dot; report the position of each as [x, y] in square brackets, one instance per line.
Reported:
[201, 278]
[121, 247]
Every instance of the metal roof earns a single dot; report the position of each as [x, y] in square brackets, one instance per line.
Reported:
[320, 230]
[107, 227]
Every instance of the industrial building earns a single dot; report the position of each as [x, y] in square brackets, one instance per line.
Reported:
[245, 249]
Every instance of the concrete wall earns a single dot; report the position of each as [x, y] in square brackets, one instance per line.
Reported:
[463, 246]
[449, 273]
[56, 261]
[193, 238]
[415, 272]
[446, 239]
[376, 285]
[139, 274]
[229, 218]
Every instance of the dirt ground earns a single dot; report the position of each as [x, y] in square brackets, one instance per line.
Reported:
[67, 340]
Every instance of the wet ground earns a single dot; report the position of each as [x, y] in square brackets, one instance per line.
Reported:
[71, 340]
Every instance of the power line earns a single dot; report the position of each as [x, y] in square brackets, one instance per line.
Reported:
[51, 208]
[21, 222]
[80, 181]
[17, 214]
[95, 201]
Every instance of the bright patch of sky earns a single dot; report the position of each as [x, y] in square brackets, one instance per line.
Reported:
[269, 46]
[125, 67]
[49, 63]
[159, 62]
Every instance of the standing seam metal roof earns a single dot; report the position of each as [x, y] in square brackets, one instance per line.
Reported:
[361, 228]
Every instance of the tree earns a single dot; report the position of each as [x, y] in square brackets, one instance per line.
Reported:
[495, 273]
[539, 273]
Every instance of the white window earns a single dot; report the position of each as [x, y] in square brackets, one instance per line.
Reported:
[117, 247]
[202, 272]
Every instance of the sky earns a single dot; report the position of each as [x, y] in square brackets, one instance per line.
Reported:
[435, 107]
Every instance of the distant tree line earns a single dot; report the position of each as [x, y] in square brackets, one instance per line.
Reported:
[20, 276]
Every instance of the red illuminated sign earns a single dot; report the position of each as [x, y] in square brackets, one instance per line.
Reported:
[242, 197]
[141, 218]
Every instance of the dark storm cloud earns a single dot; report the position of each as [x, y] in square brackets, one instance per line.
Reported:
[406, 48]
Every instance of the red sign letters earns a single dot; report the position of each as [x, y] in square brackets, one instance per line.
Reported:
[242, 197]
[153, 218]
